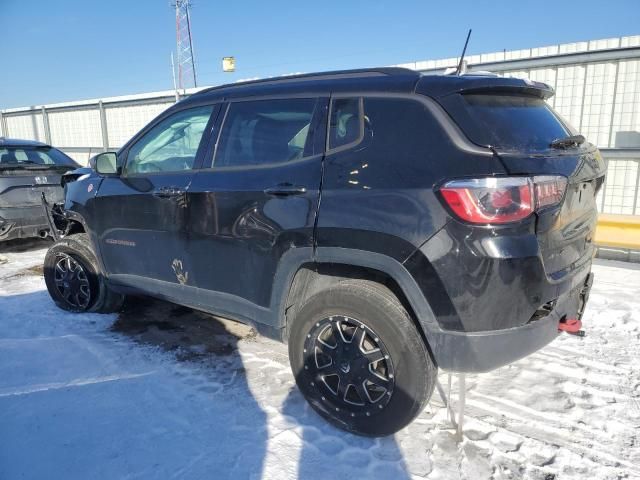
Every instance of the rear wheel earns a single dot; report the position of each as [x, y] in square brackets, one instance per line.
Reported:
[73, 280]
[359, 359]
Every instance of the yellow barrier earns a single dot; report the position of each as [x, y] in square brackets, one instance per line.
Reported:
[618, 231]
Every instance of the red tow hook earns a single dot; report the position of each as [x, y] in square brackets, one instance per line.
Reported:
[572, 326]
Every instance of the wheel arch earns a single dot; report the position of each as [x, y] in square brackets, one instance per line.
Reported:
[333, 264]
[76, 223]
[75, 226]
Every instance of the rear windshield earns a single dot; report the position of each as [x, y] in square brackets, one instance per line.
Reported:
[509, 122]
[17, 156]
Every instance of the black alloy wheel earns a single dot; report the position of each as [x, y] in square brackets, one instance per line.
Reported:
[358, 358]
[73, 278]
[350, 366]
[72, 282]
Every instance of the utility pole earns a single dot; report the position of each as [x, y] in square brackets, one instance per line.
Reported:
[184, 45]
[173, 73]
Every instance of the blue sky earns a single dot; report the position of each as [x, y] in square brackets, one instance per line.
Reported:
[60, 50]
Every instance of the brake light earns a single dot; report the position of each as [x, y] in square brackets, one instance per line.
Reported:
[498, 200]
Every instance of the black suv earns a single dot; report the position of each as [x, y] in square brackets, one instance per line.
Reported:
[27, 170]
[381, 222]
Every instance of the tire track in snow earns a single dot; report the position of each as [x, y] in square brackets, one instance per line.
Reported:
[605, 381]
[524, 411]
[545, 434]
[80, 382]
[580, 360]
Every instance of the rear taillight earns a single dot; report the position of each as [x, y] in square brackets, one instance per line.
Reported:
[549, 190]
[497, 200]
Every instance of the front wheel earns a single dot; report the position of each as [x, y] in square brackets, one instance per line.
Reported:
[359, 360]
[72, 276]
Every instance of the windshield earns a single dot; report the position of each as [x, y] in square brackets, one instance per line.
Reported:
[40, 156]
[507, 121]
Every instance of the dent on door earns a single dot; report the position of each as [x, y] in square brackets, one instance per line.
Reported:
[139, 228]
[260, 198]
[238, 234]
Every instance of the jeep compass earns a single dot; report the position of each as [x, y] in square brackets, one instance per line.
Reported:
[383, 223]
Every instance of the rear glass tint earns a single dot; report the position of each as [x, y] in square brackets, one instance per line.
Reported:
[16, 156]
[510, 122]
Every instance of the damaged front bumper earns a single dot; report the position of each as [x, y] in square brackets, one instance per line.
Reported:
[55, 218]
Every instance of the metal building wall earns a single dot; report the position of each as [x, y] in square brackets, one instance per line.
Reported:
[82, 129]
[123, 121]
[597, 87]
[597, 83]
[599, 99]
[620, 194]
[29, 125]
[72, 127]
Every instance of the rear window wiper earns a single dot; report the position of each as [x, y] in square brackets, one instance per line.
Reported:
[566, 142]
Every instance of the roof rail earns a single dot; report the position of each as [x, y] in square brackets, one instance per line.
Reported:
[330, 75]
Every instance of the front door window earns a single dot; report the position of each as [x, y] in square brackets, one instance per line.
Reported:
[171, 145]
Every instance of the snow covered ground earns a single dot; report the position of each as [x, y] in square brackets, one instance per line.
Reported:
[162, 392]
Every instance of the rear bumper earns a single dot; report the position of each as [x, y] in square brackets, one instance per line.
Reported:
[488, 290]
[22, 222]
[484, 351]
[476, 352]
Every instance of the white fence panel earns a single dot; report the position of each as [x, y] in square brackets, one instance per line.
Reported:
[626, 117]
[75, 128]
[621, 190]
[125, 121]
[28, 126]
[598, 102]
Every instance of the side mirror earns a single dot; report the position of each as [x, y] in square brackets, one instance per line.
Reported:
[106, 163]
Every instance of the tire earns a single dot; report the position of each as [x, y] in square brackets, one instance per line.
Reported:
[74, 254]
[403, 376]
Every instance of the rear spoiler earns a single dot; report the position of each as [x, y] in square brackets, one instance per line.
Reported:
[438, 86]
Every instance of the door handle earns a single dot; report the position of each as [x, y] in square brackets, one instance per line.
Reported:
[169, 192]
[285, 190]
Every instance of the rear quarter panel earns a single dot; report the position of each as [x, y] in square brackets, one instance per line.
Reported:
[379, 195]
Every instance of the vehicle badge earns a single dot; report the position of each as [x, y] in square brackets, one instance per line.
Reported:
[90, 187]
[41, 180]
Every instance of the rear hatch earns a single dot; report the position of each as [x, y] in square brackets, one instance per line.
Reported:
[512, 118]
[27, 171]
[23, 186]
[565, 233]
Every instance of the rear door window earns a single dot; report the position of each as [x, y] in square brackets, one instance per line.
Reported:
[264, 132]
[507, 121]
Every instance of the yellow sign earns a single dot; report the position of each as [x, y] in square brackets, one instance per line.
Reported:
[228, 64]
